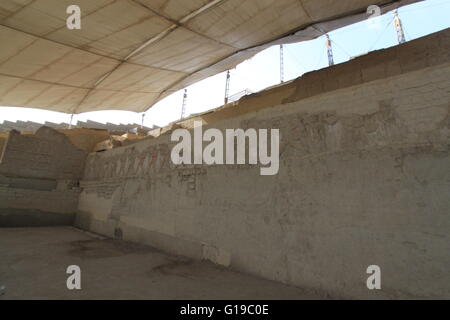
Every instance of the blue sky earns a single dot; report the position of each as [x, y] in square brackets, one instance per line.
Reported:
[263, 70]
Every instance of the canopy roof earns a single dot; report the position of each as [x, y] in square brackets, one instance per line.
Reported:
[129, 54]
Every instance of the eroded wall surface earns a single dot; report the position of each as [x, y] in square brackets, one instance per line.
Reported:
[3, 136]
[85, 139]
[39, 176]
[364, 180]
[47, 154]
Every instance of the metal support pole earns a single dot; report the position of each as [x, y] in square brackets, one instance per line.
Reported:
[227, 86]
[183, 107]
[330, 51]
[399, 28]
[281, 64]
[70, 123]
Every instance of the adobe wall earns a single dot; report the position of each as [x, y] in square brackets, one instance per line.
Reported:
[364, 179]
[3, 136]
[25, 207]
[39, 176]
[47, 154]
[85, 139]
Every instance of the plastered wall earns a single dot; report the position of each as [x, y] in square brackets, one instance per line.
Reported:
[364, 179]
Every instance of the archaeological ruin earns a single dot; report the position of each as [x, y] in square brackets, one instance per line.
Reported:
[364, 160]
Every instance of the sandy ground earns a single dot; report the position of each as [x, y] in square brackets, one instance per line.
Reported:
[33, 263]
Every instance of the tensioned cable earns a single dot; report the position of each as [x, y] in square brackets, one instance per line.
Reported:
[296, 60]
[340, 47]
[381, 34]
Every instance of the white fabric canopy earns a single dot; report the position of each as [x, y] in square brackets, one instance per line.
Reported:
[129, 54]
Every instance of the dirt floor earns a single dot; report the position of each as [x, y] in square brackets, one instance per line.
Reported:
[33, 263]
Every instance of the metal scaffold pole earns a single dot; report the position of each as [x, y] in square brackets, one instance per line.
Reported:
[329, 51]
[399, 28]
[142, 121]
[281, 64]
[227, 86]
[71, 119]
[183, 107]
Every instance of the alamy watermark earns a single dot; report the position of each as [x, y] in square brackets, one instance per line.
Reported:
[231, 148]
[374, 13]
[74, 20]
[374, 280]
[74, 280]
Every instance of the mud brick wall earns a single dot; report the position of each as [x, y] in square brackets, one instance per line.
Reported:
[21, 207]
[364, 179]
[39, 179]
[48, 154]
